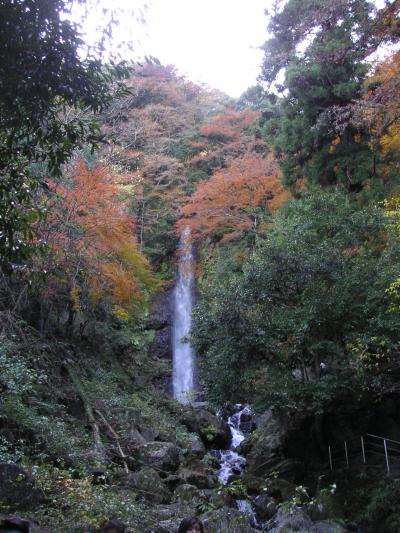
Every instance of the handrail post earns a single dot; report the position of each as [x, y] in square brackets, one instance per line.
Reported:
[330, 457]
[363, 449]
[386, 455]
[347, 455]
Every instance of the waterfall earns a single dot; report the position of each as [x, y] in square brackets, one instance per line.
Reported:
[183, 354]
[231, 462]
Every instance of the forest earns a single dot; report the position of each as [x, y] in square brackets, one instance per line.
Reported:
[291, 197]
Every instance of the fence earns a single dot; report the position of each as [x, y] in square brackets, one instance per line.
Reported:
[369, 450]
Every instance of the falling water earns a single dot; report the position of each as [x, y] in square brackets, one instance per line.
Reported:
[183, 355]
[231, 462]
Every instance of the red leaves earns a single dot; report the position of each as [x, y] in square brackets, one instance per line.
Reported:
[228, 201]
[94, 249]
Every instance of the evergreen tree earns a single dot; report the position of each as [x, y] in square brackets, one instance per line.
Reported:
[323, 46]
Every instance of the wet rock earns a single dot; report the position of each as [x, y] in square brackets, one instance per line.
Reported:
[161, 345]
[161, 455]
[149, 485]
[213, 431]
[280, 489]
[265, 507]
[17, 487]
[160, 315]
[198, 476]
[253, 484]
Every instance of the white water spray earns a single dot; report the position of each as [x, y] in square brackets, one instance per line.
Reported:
[183, 354]
[231, 462]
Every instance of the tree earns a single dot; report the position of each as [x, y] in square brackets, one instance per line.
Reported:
[42, 77]
[282, 330]
[93, 257]
[323, 53]
[235, 199]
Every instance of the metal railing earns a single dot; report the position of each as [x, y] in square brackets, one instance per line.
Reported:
[369, 450]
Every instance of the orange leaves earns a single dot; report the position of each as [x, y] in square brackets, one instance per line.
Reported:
[229, 200]
[229, 125]
[93, 241]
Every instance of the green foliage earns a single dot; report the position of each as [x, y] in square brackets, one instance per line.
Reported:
[277, 331]
[323, 76]
[84, 505]
[381, 512]
[47, 92]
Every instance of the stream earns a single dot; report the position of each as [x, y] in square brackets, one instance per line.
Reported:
[240, 421]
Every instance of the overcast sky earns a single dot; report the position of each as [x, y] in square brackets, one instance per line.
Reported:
[211, 41]
[215, 42]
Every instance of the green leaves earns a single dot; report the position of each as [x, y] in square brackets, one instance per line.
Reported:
[279, 332]
[47, 97]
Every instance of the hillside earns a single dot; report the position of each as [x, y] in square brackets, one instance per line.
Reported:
[290, 195]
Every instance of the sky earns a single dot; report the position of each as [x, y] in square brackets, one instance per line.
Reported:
[215, 42]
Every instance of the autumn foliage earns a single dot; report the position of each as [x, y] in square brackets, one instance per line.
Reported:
[94, 255]
[228, 203]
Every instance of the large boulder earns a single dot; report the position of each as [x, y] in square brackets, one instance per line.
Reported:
[13, 523]
[187, 493]
[227, 520]
[149, 485]
[265, 507]
[295, 519]
[160, 455]
[198, 475]
[195, 447]
[17, 487]
[266, 450]
[213, 431]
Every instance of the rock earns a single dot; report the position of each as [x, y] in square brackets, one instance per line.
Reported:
[253, 484]
[114, 526]
[149, 484]
[150, 434]
[227, 520]
[196, 448]
[280, 489]
[265, 507]
[198, 476]
[132, 439]
[162, 455]
[16, 524]
[161, 345]
[294, 519]
[328, 526]
[17, 487]
[266, 451]
[160, 316]
[187, 493]
[213, 431]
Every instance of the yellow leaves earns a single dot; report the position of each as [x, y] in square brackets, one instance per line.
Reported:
[333, 144]
[94, 241]
[75, 297]
[393, 291]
